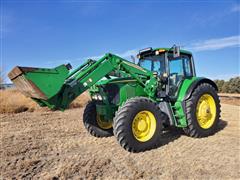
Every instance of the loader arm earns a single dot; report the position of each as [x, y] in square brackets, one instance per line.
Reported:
[83, 79]
[87, 75]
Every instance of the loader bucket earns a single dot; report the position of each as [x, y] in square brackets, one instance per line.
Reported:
[39, 83]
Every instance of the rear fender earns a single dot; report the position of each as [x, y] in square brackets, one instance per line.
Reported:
[196, 83]
[184, 93]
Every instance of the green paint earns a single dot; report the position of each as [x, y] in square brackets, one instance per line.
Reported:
[179, 113]
[49, 81]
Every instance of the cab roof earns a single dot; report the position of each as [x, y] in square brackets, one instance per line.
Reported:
[167, 49]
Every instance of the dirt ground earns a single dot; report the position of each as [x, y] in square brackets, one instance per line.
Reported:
[230, 100]
[52, 145]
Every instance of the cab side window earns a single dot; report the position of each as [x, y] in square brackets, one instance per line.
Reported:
[156, 67]
[187, 67]
[176, 67]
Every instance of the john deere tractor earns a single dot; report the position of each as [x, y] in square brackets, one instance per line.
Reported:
[133, 102]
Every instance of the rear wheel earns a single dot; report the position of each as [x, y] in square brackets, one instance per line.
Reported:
[94, 123]
[203, 111]
[138, 124]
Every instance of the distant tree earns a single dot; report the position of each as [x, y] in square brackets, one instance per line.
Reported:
[234, 85]
[219, 84]
[1, 76]
[216, 82]
[225, 87]
[231, 86]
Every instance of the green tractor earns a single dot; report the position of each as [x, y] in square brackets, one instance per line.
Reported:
[133, 102]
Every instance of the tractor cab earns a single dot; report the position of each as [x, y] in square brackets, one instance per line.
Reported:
[171, 65]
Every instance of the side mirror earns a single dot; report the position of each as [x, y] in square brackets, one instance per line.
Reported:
[176, 51]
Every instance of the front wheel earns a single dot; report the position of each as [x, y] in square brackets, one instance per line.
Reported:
[94, 123]
[138, 124]
[202, 111]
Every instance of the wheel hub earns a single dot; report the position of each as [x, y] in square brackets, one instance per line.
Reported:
[144, 126]
[206, 111]
[103, 123]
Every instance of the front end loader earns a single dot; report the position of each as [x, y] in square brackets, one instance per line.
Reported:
[134, 102]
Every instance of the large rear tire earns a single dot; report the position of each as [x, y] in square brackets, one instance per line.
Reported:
[202, 111]
[138, 124]
[93, 123]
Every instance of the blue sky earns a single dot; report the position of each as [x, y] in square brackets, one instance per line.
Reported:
[48, 33]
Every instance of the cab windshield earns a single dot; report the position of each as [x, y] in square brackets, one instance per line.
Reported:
[153, 63]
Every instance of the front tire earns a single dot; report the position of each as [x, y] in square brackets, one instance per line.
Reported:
[93, 123]
[138, 124]
[202, 111]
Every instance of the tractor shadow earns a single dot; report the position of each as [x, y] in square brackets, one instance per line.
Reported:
[172, 133]
[221, 125]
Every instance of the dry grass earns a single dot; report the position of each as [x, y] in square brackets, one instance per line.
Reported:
[12, 101]
[81, 100]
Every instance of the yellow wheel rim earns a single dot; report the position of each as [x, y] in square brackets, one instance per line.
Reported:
[206, 111]
[103, 124]
[144, 126]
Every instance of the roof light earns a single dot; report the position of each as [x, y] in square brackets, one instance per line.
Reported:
[161, 50]
[157, 52]
[145, 50]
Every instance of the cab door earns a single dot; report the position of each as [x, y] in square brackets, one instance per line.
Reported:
[180, 68]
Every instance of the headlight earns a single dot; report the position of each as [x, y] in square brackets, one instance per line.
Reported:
[94, 97]
[99, 97]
